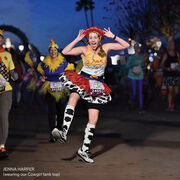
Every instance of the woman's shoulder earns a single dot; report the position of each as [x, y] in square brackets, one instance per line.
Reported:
[86, 49]
[105, 45]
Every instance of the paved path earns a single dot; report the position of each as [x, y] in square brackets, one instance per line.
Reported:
[126, 146]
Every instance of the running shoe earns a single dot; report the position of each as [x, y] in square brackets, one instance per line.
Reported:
[3, 153]
[84, 156]
[60, 135]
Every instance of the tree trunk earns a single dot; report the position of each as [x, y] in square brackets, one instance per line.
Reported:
[87, 23]
[92, 19]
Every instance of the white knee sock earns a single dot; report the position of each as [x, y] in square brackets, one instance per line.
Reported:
[89, 132]
[68, 117]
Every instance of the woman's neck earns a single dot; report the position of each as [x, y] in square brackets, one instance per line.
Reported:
[53, 58]
[95, 50]
[171, 52]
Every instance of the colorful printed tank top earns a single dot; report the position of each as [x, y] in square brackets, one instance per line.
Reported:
[94, 64]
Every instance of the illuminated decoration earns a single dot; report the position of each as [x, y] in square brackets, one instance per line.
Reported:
[155, 54]
[151, 54]
[159, 43]
[115, 59]
[149, 66]
[151, 59]
[21, 47]
[41, 58]
[154, 43]
[149, 51]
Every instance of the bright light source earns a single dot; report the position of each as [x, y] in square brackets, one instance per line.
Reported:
[159, 43]
[21, 47]
[151, 59]
[140, 45]
[149, 51]
[155, 54]
[41, 58]
[149, 66]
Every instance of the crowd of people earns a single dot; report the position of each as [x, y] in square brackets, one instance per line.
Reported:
[61, 82]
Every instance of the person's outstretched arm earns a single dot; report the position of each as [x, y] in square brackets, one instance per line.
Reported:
[75, 51]
[121, 44]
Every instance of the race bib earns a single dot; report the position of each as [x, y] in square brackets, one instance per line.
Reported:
[56, 86]
[2, 84]
[96, 87]
[173, 66]
[137, 70]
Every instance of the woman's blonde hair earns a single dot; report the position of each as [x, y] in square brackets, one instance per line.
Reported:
[101, 53]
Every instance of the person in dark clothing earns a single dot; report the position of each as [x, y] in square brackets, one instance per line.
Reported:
[171, 75]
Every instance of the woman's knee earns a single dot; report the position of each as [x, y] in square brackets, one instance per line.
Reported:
[93, 116]
[176, 90]
[170, 89]
[73, 99]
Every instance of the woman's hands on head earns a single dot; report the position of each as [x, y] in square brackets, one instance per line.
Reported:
[108, 33]
[80, 35]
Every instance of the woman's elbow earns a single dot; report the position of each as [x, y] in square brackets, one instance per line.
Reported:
[127, 45]
[64, 52]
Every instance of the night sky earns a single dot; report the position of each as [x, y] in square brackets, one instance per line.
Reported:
[42, 20]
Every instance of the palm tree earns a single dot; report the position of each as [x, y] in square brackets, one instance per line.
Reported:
[83, 4]
[91, 7]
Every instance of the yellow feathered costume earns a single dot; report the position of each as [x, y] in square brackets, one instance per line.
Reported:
[52, 67]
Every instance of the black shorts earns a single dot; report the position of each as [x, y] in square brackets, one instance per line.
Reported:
[94, 106]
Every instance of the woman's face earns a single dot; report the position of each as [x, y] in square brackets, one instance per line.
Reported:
[94, 40]
[137, 48]
[171, 45]
[53, 52]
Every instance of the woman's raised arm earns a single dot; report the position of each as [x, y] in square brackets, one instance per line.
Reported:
[71, 50]
[121, 44]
